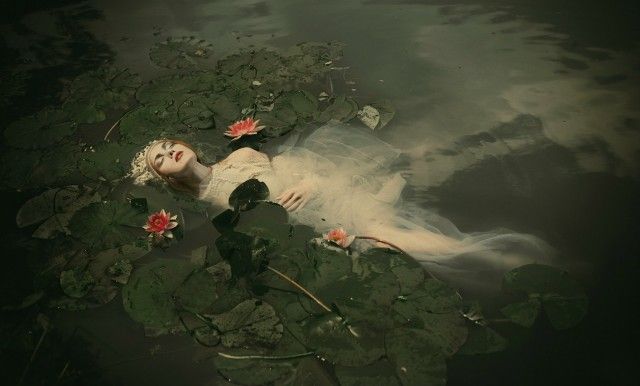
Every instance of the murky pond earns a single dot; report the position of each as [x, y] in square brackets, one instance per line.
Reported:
[509, 116]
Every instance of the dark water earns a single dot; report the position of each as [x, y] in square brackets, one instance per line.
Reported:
[514, 114]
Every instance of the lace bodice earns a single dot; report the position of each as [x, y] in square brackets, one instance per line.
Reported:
[240, 166]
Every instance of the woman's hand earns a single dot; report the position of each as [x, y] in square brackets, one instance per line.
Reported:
[298, 195]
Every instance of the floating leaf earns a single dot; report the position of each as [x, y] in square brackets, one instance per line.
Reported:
[563, 300]
[58, 166]
[146, 123]
[110, 161]
[173, 90]
[386, 112]
[109, 224]
[94, 92]
[120, 271]
[148, 297]
[417, 361]
[76, 282]
[248, 194]
[183, 52]
[251, 322]
[377, 373]
[348, 345]
[341, 109]
[483, 340]
[523, 313]
[370, 116]
[41, 130]
[254, 372]
[199, 291]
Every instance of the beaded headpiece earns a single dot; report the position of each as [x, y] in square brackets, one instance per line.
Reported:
[141, 170]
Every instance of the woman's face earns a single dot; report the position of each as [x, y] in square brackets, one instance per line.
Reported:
[171, 159]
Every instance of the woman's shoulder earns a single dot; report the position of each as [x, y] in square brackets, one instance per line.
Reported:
[248, 154]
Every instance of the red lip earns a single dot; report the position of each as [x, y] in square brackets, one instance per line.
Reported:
[178, 156]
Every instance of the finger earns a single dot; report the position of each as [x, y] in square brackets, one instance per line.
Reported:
[291, 201]
[285, 197]
[300, 203]
[303, 204]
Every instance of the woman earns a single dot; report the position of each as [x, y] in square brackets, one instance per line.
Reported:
[339, 176]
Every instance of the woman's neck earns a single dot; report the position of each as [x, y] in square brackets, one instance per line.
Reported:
[196, 176]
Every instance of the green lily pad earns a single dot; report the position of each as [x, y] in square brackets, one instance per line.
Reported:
[103, 225]
[251, 322]
[110, 161]
[58, 166]
[415, 358]
[199, 291]
[245, 254]
[183, 52]
[377, 373]
[146, 123]
[147, 297]
[120, 271]
[342, 109]
[172, 90]
[253, 372]
[436, 309]
[523, 313]
[248, 194]
[563, 300]
[348, 345]
[483, 340]
[76, 283]
[94, 92]
[41, 130]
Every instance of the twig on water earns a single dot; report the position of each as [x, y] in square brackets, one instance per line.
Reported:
[301, 288]
[33, 355]
[294, 356]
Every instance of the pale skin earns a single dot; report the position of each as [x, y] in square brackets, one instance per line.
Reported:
[175, 160]
[178, 161]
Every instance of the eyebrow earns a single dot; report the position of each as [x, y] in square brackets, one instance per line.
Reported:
[164, 146]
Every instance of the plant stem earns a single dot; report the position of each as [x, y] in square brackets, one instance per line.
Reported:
[294, 356]
[382, 241]
[33, 355]
[301, 288]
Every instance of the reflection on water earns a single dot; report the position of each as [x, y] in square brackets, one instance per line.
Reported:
[522, 115]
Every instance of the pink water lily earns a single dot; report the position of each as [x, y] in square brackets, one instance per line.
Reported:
[243, 127]
[340, 237]
[160, 223]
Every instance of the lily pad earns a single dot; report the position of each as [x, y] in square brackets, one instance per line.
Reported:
[377, 373]
[109, 224]
[523, 313]
[417, 361]
[76, 283]
[348, 345]
[41, 130]
[483, 340]
[248, 194]
[94, 92]
[58, 166]
[146, 123]
[251, 322]
[199, 291]
[563, 300]
[110, 161]
[183, 52]
[147, 297]
[342, 109]
[254, 372]
[120, 271]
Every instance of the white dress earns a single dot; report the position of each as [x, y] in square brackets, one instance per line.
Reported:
[349, 166]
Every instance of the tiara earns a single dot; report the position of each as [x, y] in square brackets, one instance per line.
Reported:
[141, 172]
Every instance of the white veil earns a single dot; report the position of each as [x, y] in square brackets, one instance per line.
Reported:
[352, 164]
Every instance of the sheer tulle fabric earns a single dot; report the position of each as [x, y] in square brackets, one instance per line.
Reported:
[349, 166]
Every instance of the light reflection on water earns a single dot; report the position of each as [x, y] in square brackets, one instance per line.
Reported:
[509, 119]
